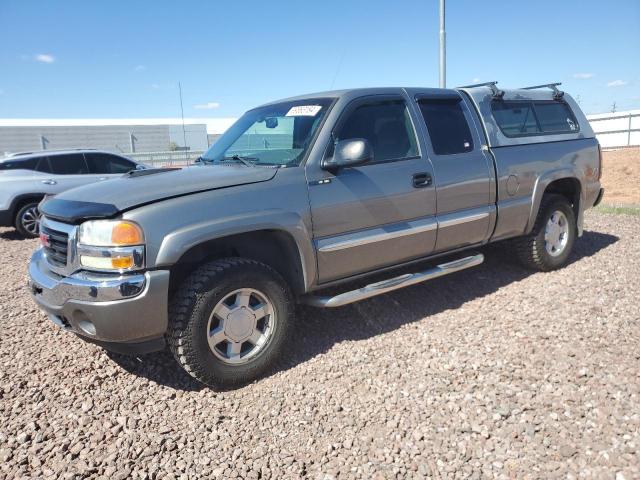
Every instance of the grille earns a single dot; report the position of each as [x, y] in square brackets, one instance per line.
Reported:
[57, 248]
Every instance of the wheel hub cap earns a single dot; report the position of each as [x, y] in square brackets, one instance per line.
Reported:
[556, 233]
[31, 220]
[241, 325]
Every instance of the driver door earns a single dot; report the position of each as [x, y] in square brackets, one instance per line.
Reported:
[380, 213]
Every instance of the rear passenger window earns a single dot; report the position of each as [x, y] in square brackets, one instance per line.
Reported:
[386, 125]
[447, 125]
[523, 118]
[72, 164]
[29, 164]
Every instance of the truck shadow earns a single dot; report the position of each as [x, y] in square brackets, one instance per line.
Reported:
[318, 329]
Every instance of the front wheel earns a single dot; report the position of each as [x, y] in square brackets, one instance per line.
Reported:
[229, 321]
[27, 221]
[550, 243]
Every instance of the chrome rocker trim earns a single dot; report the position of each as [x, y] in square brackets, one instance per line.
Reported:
[395, 283]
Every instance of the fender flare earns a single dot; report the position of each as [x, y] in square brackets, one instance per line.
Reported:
[177, 243]
[543, 181]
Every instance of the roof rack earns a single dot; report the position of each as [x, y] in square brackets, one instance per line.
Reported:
[497, 93]
[557, 94]
[52, 150]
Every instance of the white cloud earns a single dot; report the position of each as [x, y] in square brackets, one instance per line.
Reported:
[155, 86]
[206, 106]
[475, 80]
[583, 76]
[617, 83]
[140, 68]
[45, 58]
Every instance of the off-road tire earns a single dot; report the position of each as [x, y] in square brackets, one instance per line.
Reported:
[18, 221]
[530, 249]
[192, 304]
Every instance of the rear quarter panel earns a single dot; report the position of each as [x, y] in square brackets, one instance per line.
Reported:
[525, 171]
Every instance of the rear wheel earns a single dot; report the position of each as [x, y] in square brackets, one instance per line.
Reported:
[27, 221]
[229, 321]
[551, 241]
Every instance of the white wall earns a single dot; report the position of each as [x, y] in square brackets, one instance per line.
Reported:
[613, 129]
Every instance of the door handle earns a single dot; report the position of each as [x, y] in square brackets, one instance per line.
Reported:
[421, 180]
[49, 182]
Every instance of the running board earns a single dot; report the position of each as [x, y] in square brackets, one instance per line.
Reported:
[394, 283]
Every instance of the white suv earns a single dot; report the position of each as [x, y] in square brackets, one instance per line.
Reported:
[26, 178]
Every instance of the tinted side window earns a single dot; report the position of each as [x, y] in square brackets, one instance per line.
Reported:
[29, 164]
[105, 163]
[448, 128]
[555, 117]
[97, 163]
[386, 125]
[43, 165]
[119, 165]
[72, 164]
[515, 118]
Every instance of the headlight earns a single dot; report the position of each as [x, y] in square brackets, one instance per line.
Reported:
[111, 245]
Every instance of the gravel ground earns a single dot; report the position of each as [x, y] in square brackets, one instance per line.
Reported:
[493, 372]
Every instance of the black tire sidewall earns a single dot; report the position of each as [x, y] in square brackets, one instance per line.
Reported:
[550, 262]
[18, 220]
[258, 277]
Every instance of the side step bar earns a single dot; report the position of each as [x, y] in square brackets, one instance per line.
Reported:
[394, 283]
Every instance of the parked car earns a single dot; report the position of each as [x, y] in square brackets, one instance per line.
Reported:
[316, 191]
[25, 179]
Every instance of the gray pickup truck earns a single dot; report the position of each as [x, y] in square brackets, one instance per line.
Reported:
[316, 191]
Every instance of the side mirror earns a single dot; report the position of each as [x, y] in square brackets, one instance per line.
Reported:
[350, 153]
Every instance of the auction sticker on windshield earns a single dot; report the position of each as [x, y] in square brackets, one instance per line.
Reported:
[303, 111]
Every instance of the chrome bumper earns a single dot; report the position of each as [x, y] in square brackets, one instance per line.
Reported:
[102, 307]
[85, 286]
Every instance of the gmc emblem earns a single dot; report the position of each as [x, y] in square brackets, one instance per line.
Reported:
[45, 240]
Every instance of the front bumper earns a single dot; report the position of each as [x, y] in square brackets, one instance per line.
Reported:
[108, 309]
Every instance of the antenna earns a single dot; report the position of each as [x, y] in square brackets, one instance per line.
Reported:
[184, 133]
[335, 75]
[443, 47]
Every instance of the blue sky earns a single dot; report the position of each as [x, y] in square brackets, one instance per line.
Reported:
[117, 58]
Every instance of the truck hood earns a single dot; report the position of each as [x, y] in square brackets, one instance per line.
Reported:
[108, 198]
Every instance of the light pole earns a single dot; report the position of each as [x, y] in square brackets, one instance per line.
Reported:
[443, 48]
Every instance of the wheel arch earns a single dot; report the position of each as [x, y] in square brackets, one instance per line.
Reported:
[274, 247]
[561, 182]
[21, 200]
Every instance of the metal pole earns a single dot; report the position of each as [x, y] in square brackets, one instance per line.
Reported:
[43, 142]
[184, 134]
[132, 144]
[443, 48]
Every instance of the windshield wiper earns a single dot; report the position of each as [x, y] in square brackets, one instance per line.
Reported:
[244, 160]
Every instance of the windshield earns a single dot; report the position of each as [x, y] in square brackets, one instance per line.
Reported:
[278, 134]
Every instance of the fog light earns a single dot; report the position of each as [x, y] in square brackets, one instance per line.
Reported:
[108, 263]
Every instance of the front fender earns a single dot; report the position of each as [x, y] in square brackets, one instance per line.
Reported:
[176, 243]
[541, 185]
